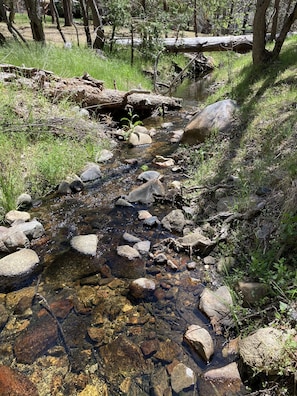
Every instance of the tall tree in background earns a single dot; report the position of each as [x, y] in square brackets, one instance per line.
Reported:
[261, 27]
[34, 13]
[98, 25]
[68, 15]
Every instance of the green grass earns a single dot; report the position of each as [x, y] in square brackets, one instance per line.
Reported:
[75, 62]
[261, 153]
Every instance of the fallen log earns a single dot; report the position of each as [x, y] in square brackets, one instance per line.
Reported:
[87, 92]
[241, 44]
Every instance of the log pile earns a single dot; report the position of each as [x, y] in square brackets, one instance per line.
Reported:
[86, 91]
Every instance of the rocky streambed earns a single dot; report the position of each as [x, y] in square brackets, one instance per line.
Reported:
[126, 294]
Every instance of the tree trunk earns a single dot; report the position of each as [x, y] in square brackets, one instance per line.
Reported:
[239, 44]
[86, 22]
[274, 20]
[259, 32]
[283, 33]
[68, 16]
[98, 25]
[34, 14]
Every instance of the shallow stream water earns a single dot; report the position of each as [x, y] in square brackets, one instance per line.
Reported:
[102, 310]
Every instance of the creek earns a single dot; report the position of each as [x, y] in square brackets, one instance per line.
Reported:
[102, 310]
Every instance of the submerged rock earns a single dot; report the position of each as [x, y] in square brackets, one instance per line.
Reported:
[182, 378]
[15, 383]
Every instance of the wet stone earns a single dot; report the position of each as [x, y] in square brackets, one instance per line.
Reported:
[142, 287]
[128, 252]
[224, 380]
[168, 351]
[182, 378]
[86, 244]
[41, 335]
[122, 357]
[200, 339]
[149, 347]
[14, 383]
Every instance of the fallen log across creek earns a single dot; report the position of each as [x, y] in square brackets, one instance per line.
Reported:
[241, 44]
[87, 91]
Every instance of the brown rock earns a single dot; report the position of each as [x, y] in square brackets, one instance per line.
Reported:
[36, 340]
[222, 381]
[168, 351]
[122, 357]
[13, 383]
[60, 308]
[149, 347]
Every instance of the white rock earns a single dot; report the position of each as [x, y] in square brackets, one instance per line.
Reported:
[142, 287]
[143, 247]
[127, 251]
[139, 139]
[200, 339]
[86, 244]
[131, 238]
[33, 228]
[18, 263]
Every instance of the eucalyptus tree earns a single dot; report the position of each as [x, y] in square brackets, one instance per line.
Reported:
[34, 11]
[282, 22]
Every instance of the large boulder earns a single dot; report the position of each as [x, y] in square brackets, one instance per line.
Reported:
[218, 116]
[267, 350]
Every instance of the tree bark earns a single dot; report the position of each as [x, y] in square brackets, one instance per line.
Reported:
[86, 22]
[68, 15]
[98, 25]
[34, 14]
[259, 32]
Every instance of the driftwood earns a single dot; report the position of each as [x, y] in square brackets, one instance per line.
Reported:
[242, 44]
[87, 91]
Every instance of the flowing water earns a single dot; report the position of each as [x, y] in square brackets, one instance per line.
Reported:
[103, 310]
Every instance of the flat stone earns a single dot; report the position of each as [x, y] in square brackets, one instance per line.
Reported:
[17, 215]
[149, 175]
[222, 381]
[14, 383]
[146, 192]
[144, 214]
[143, 247]
[127, 251]
[41, 335]
[182, 378]
[131, 238]
[200, 339]
[197, 241]
[18, 263]
[86, 244]
[32, 229]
